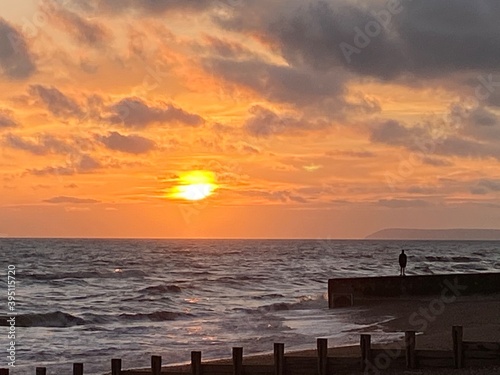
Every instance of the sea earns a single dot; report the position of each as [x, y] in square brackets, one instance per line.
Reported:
[91, 300]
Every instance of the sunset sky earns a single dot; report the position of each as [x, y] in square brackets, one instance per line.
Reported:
[314, 119]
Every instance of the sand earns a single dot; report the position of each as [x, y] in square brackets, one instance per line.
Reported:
[432, 318]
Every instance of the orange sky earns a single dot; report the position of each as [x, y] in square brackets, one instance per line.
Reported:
[102, 110]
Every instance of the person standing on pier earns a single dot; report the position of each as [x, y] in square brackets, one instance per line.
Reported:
[402, 263]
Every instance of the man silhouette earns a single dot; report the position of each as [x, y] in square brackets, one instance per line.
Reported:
[402, 263]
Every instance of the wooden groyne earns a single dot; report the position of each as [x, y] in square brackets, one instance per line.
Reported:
[370, 361]
[345, 291]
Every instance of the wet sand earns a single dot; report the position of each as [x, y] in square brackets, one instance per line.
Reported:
[431, 318]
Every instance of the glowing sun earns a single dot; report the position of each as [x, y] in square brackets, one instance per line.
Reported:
[194, 185]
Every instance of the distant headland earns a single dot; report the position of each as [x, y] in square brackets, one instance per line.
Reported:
[436, 234]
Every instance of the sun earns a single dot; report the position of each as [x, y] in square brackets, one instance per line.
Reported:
[194, 185]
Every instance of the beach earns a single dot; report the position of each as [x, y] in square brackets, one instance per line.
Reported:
[479, 316]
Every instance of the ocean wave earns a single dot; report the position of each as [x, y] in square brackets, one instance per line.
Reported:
[268, 296]
[53, 319]
[280, 306]
[117, 273]
[156, 316]
[59, 319]
[161, 289]
[456, 259]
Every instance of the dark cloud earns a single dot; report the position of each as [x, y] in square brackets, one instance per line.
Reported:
[315, 32]
[436, 162]
[87, 164]
[479, 123]
[264, 123]
[132, 144]
[56, 102]
[478, 190]
[6, 120]
[43, 144]
[450, 35]
[423, 141]
[225, 48]
[422, 190]
[16, 61]
[388, 39]
[63, 199]
[83, 30]
[82, 164]
[149, 7]
[392, 39]
[491, 185]
[135, 113]
[393, 132]
[486, 186]
[280, 83]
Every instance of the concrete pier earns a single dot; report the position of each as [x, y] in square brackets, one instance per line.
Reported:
[344, 292]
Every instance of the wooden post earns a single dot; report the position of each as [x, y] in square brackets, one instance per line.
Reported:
[156, 364]
[4, 371]
[116, 366]
[41, 371]
[411, 360]
[330, 294]
[322, 345]
[195, 363]
[77, 368]
[279, 359]
[237, 361]
[458, 352]
[366, 357]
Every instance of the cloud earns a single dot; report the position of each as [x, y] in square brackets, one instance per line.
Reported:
[73, 200]
[6, 120]
[436, 162]
[87, 164]
[478, 190]
[280, 83]
[225, 48]
[132, 144]
[278, 195]
[135, 113]
[56, 102]
[393, 132]
[149, 7]
[423, 140]
[403, 203]
[41, 145]
[486, 186]
[424, 38]
[264, 123]
[314, 32]
[83, 30]
[351, 154]
[16, 61]
[83, 164]
[422, 190]
[480, 122]
[491, 185]
[53, 171]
